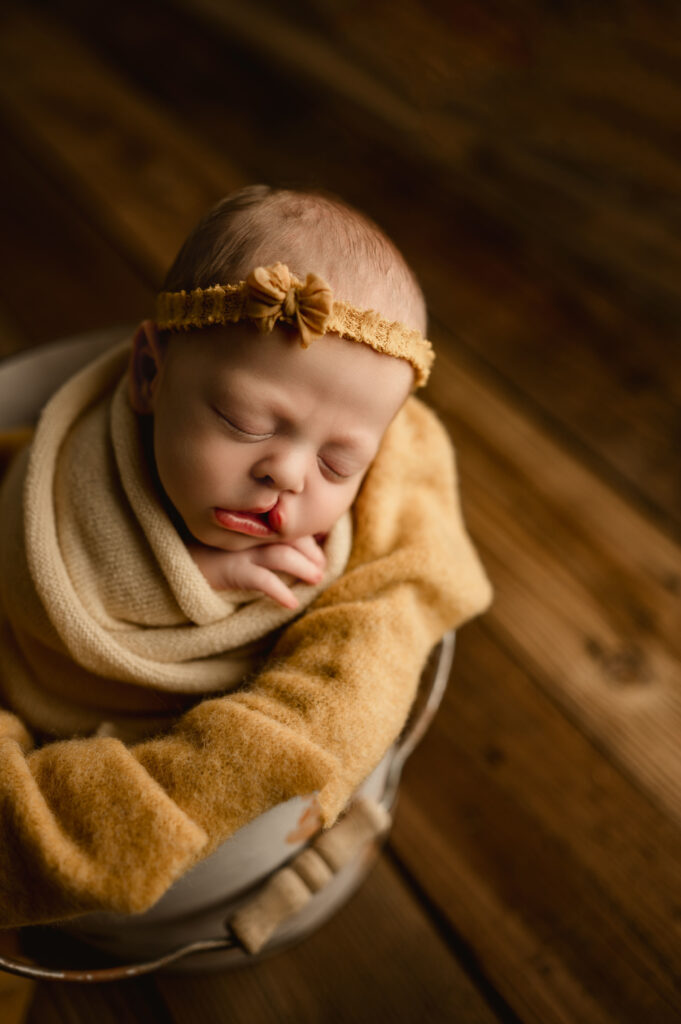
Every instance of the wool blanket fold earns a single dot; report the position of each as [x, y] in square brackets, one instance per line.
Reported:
[93, 823]
[134, 632]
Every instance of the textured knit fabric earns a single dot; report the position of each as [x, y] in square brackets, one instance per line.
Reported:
[273, 294]
[94, 824]
[118, 623]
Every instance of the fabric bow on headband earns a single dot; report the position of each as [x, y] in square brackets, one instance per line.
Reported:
[275, 294]
[270, 295]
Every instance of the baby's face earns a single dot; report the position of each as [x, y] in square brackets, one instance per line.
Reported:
[257, 440]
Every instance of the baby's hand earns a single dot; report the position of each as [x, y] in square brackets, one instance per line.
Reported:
[256, 568]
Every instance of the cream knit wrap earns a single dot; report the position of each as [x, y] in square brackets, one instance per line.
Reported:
[117, 624]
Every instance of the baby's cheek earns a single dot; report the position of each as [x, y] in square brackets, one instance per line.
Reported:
[217, 460]
[196, 466]
[331, 505]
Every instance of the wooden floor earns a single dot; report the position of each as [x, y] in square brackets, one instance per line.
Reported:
[526, 158]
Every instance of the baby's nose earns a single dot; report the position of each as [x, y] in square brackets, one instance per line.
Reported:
[284, 472]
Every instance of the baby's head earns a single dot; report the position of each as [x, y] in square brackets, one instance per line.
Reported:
[256, 438]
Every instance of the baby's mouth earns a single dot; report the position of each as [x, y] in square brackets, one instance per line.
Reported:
[253, 522]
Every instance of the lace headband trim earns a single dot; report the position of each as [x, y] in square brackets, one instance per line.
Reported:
[272, 294]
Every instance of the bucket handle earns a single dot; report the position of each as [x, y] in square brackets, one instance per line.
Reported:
[284, 894]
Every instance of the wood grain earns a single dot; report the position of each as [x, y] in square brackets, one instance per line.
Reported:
[378, 959]
[587, 590]
[537, 195]
[143, 179]
[550, 861]
[70, 279]
[132, 1001]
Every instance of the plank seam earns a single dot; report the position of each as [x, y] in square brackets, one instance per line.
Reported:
[462, 951]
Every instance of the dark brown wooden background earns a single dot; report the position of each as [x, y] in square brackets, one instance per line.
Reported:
[525, 156]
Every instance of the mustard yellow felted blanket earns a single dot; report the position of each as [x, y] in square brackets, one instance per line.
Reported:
[92, 823]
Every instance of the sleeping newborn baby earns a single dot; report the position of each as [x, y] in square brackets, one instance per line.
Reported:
[181, 512]
[224, 560]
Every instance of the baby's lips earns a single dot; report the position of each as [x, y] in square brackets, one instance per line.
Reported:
[275, 517]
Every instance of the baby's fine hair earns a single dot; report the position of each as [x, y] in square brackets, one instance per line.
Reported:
[308, 231]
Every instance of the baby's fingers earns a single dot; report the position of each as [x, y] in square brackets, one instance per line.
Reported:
[309, 547]
[270, 585]
[285, 558]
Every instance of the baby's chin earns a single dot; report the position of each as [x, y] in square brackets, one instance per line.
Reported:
[232, 540]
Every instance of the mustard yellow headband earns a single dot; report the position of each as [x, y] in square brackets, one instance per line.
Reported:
[272, 294]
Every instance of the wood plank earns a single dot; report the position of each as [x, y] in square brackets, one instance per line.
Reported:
[136, 174]
[373, 57]
[59, 276]
[586, 589]
[555, 868]
[563, 61]
[135, 1002]
[378, 959]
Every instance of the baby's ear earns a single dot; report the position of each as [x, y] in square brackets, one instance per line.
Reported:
[144, 368]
